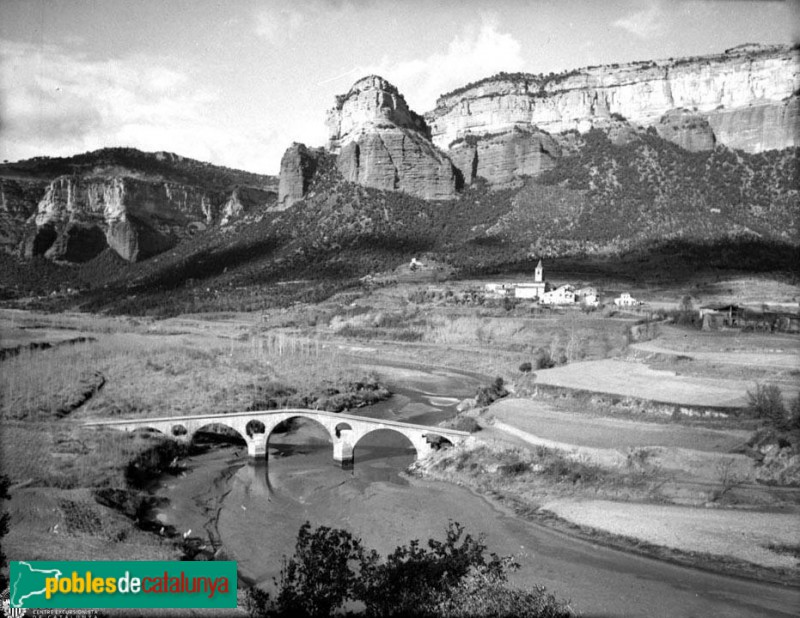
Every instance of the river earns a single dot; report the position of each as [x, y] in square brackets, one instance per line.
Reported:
[255, 511]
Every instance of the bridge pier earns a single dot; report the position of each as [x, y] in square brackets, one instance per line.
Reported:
[257, 447]
[343, 447]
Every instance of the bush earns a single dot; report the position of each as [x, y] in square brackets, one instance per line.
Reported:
[486, 395]
[465, 423]
[525, 367]
[542, 359]
[766, 402]
[453, 577]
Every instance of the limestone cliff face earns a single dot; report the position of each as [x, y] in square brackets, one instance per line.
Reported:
[80, 216]
[689, 130]
[372, 101]
[747, 95]
[18, 199]
[383, 144]
[298, 166]
[504, 159]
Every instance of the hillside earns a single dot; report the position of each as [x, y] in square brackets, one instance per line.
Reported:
[592, 210]
[138, 204]
[130, 161]
[608, 197]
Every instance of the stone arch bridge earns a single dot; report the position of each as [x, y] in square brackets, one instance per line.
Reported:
[345, 430]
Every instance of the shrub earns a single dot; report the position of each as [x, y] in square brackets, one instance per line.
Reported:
[465, 423]
[542, 359]
[453, 577]
[514, 468]
[766, 402]
[486, 395]
[525, 367]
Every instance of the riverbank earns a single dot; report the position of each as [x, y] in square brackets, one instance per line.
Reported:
[610, 508]
[264, 506]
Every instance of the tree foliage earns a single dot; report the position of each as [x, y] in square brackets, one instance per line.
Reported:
[487, 395]
[766, 402]
[332, 571]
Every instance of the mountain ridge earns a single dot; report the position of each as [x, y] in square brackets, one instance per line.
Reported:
[199, 235]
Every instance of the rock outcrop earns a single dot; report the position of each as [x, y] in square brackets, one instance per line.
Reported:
[298, 166]
[18, 200]
[383, 144]
[504, 159]
[686, 129]
[748, 96]
[79, 216]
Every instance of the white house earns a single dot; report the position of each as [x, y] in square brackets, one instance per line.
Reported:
[625, 300]
[590, 300]
[564, 295]
[497, 290]
[529, 290]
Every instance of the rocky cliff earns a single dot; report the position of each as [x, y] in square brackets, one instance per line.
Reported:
[79, 216]
[745, 98]
[135, 203]
[298, 166]
[383, 144]
[503, 159]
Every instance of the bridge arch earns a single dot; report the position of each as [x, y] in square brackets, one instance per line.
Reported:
[397, 432]
[149, 430]
[218, 423]
[254, 426]
[286, 419]
[340, 427]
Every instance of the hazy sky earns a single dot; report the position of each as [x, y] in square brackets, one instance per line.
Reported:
[234, 82]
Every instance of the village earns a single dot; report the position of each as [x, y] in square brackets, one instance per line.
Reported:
[546, 295]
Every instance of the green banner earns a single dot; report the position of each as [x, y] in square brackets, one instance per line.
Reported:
[105, 584]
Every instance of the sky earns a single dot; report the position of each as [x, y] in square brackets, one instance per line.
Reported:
[235, 82]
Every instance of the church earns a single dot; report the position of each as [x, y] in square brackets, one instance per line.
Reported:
[532, 290]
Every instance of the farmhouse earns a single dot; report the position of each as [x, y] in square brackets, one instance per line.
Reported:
[625, 300]
[716, 316]
[563, 295]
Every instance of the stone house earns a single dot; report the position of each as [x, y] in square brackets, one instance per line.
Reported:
[563, 295]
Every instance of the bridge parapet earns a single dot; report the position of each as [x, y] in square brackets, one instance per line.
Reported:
[255, 427]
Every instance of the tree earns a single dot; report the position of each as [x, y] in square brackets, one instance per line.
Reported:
[321, 576]
[452, 578]
[486, 395]
[415, 581]
[766, 402]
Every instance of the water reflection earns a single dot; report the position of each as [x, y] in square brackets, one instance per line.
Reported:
[379, 456]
